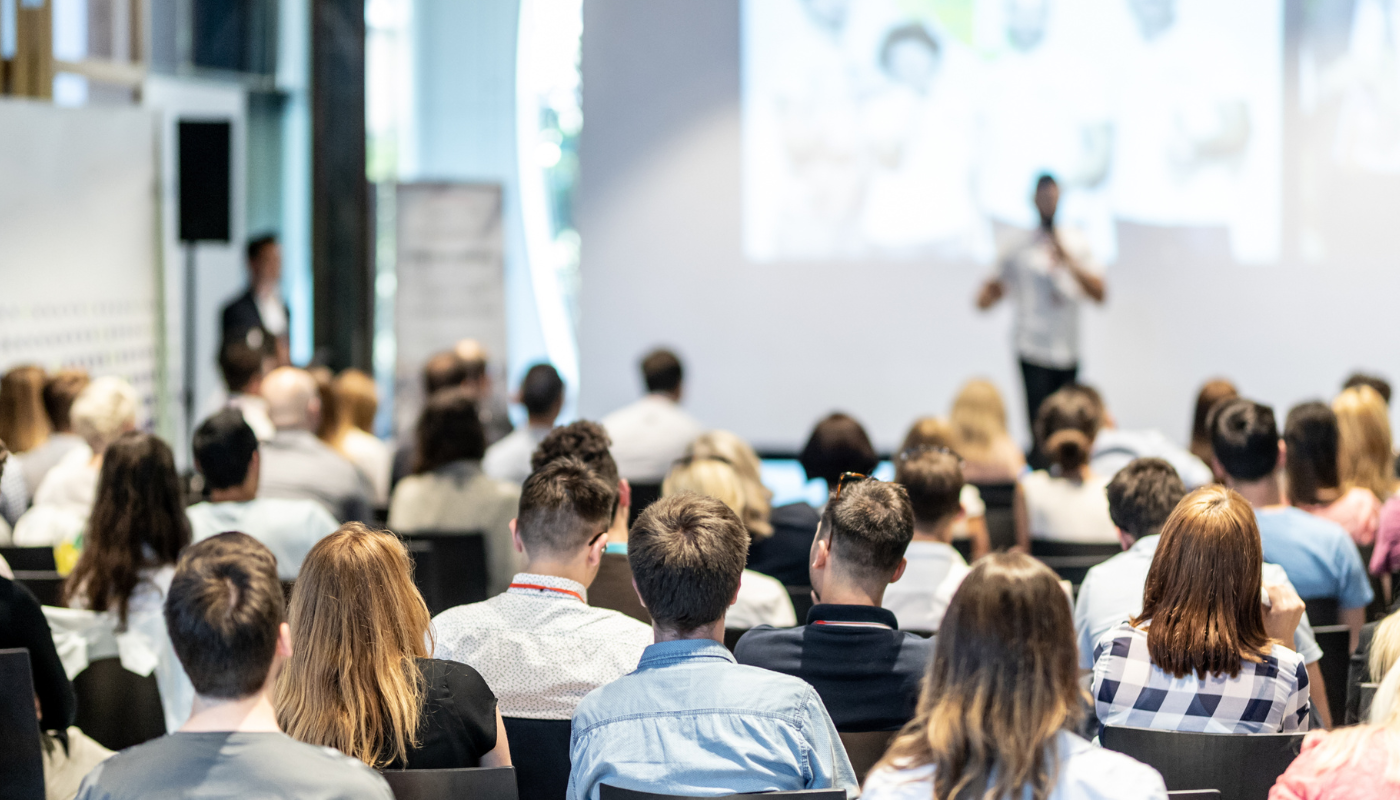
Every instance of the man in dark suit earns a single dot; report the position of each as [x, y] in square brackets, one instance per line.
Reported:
[261, 307]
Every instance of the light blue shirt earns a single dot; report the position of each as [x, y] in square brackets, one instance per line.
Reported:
[1319, 556]
[691, 721]
[1112, 592]
[1114, 449]
[289, 528]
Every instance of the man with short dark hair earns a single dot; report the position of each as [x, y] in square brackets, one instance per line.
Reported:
[225, 614]
[243, 363]
[934, 481]
[650, 434]
[261, 307]
[226, 454]
[689, 720]
[851, 651]
[540, 645]
[542, 394]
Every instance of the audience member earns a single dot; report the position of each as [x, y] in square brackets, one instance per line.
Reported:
[1380, 385]
[1210, 395]
[449, 492]
[23, 423]
[1310, 438]
[654, 431]
[541, 646]
[936, 434]
[978, 419]
[244, 363]
[297, 465]
[225, 616]
[491, 406]
[865, 670]
[1001, 701]
[1115, 447]
[103, 411]
[357, 401]
[934, 480]
[762, 600]
[1377, 649]
[689, 720]
[328, 420]
[226, 454]
[379, 698]
[261, 307]
[1364, 459]
[1320, 558]
[1204, 654]
[129, 549]
[464, 368]
[60, 390]
[542, 394]
[1066, 503]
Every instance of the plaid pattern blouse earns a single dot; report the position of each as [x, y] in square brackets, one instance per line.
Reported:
[1129, 690]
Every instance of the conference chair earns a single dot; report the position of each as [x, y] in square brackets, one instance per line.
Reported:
[1239, 766]
[1322, 611]
[35, 568]
[449, 567]
[801, 602]
[606, 792]
[1000, 500]
[1195, 794]
[732, 637]
[539, 748]
[21, 760]
[1073, 560]
[483, 783]
[864, 748]
[643, 495]
[116, 707]
[1335, 641]
[1368, 695]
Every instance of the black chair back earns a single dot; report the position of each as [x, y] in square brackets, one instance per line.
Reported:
[539, 748]
[36, 559]
[801, 602]
[864, 748]
[449, 567]
[1195, 794]
[46, 586]
[1000, 500]
[732, 636]
[1240, 767]
[1322, 611]
[1368, 694]
[1335, 641]
[117, 708]
[21, 761]
[483, 783]
[643, 495]
[1073, 560]
[606, 792]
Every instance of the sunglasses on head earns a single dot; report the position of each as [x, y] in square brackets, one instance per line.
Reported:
[850, 478]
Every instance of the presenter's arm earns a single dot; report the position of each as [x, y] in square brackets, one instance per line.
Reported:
[1093, 285]
[992, 292]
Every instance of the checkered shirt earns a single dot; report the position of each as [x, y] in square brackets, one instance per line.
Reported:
[1129, 690]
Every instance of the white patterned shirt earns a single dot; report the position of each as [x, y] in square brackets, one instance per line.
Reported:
[541, 649]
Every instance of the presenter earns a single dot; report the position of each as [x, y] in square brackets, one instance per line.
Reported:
[1050, 272]
[261, 308]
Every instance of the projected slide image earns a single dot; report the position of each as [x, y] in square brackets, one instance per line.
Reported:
[918, 127]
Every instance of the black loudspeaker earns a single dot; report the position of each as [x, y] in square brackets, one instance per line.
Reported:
[204, 181]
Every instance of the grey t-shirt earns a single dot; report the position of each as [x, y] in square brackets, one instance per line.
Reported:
[232, 765]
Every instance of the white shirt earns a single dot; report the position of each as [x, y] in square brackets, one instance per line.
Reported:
[648, 436]
[289, 528]
[539, 650]
[763, 600]
[919, 599]
[254, 411]
[62, 503]
[1114, 448]
[375, 459]
[509, 459]
[272, 312]
[1047, 296]
[1063, 510]
[1084, 772]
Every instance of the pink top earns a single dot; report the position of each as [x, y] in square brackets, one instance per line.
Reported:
[1361, 780]
[1359, 511]
[1386, 557]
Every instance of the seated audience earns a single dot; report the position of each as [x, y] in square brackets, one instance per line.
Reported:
[244, 363]
[379, 698]
[762, 600]
[103, 411]
[1066, 503]
[542, 394]
[934, 568]
[1205, 655]
[540, 646]
[225, 615]
[448, 491]
[866, 671]
[25, 426]
[1357, 762]
[1211, 394]
[491, 406]
[1310, 438]
[226, 454]
[689, 720]
[933, 433]
[1365, 460]
[978, 419]
[356, 403]
[1319, 556]
[60, 390]
[129, 548]
[1115, 447]
[654, 431]
[1001, 701]
[297, 465]
[441, 371]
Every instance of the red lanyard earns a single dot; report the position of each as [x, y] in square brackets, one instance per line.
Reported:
[540, 588]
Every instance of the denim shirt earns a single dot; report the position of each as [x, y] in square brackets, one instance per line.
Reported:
[691, 721]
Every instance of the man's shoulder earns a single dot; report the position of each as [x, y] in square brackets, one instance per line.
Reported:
[765, 644]
[1301, 526]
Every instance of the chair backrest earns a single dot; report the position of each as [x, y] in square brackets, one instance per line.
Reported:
[46, 585]
[1335, 641]
[732, 636]
[21, 762]
[1368, 694]
[1240, 767]
[118, 708]
[1322, 611]
[1195, 794]
[1106, 550]
[483, 783]
[37, 559]
[539, 749]
[865, 748]
[643, 495]
[801, 602]
[449, 567]
[1000, 499]
[606, 792]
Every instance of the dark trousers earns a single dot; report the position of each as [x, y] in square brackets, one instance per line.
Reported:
[1041, 382]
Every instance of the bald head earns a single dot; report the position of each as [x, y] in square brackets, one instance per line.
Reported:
[471, 350]
[293, 401]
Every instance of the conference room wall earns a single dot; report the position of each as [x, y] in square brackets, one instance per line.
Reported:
[772, 347]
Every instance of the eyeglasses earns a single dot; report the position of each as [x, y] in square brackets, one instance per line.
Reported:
[910, 453]
[850, 477]
[599, 535]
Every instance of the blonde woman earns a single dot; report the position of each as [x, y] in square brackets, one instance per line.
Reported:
[1312, 448]
[1364, 461]
[779, 538]
[356, 402]
[762, 600]
[1001, 699]
[360, 679]
[978, 419]
[1355, 762]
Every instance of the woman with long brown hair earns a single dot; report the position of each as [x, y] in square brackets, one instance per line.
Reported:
[1212, 649]
[1001, 699]
[360, 679]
